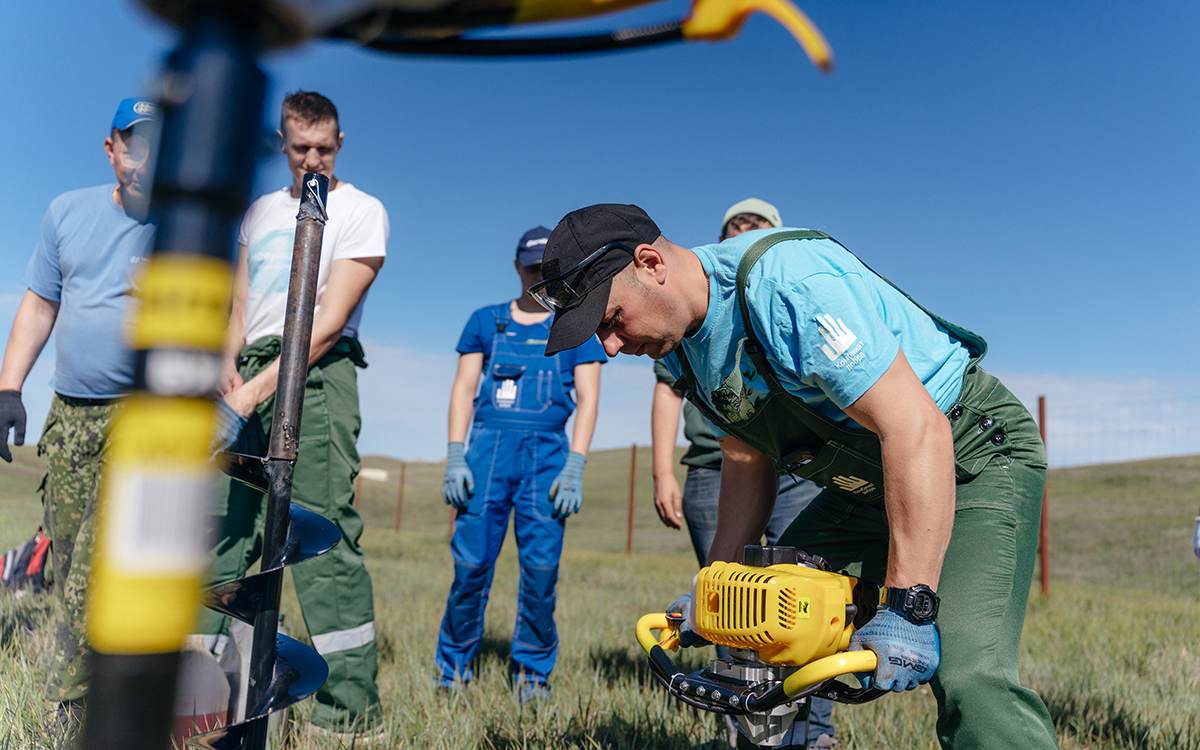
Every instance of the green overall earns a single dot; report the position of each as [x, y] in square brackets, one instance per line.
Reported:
[1000, 471]
[335, 588]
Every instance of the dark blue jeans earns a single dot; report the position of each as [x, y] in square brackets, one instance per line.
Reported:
[700, 494]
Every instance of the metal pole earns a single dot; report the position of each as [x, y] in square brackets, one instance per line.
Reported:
[358, 490]
[285, 436]
[150, 556]
[453, 516]
[1044, 532]
[632, 476]
[400, 497]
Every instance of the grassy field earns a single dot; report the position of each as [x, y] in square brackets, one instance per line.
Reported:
[1113, 649]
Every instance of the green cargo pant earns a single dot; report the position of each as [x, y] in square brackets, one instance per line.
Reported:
[75, 446]
[985, 577]
[335, 588]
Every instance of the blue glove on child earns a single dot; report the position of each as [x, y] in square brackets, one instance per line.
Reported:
[227, 425]
[459, 484]
[908, 653]
[567, 489]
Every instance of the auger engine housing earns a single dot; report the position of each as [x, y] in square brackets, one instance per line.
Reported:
[787, 619]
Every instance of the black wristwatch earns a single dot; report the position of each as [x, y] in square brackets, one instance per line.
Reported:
[918, 603]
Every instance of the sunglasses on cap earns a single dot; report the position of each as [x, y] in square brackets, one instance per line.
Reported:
[568, 289]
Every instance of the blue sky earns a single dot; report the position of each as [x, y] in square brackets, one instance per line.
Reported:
[1028, 170]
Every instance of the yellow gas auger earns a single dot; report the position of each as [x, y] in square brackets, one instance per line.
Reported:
[787, 619]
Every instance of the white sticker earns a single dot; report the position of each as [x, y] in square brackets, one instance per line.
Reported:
[158, 522]
[180, 372]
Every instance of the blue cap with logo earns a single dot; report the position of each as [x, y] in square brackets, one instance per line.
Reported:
[132, 111]
[532, 245]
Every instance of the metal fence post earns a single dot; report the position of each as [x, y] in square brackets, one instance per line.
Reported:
[1044, 531]
[632, 477]
[400, 496]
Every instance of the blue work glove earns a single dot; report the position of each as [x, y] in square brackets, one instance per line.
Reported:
[459, 484]
[567, 489]
[1195, 536]
[908, 654]
[683, 607]
[227, 425]
[12, 417]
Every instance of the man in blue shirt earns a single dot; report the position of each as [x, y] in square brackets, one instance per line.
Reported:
[809, 363]
[518, 463]
[698, 501]
[79, 281]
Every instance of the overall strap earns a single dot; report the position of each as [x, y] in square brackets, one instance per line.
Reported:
[756, 251]
[686, 384]
[502, 319]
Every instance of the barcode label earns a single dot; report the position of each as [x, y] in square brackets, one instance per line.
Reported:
[157, 522]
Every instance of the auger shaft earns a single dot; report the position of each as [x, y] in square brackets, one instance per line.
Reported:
[285, 437]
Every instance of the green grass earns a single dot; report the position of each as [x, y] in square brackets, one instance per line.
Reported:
[20, 503]
[1113, 649]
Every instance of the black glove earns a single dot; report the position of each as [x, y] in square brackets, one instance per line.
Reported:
[12, 417]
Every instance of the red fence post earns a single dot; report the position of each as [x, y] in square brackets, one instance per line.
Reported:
[400, 497]
[358, 490]
[1044, 533]
[632, 476]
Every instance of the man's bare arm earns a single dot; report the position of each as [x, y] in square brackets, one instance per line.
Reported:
[30, 331]
[235, 334]
[664, 428]
[748, 489]
[349, 279]
[587, 400]
[918, 470]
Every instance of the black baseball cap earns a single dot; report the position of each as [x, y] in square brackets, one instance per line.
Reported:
[585, 251]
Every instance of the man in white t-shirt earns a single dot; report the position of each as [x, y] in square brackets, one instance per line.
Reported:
[335, 588]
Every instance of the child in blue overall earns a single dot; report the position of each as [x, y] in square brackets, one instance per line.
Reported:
[518, 462]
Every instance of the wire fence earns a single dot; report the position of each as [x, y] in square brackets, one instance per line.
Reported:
[1082, 433]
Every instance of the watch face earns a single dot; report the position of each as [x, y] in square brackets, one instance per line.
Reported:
[922, 605]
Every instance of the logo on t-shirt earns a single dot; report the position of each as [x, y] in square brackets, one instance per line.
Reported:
[838, 336]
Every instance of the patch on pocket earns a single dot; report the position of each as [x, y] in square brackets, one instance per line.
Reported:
[853, 485]
[735, 399]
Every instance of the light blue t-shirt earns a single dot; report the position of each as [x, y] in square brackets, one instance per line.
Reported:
[86, 252]
[830, 328]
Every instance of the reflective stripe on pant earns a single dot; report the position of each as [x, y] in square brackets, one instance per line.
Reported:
[74, 444]
[334, 589]
[513, 471]
[984, 585]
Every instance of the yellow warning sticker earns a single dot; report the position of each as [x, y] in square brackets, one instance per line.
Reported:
[152, 545]
[183, 302]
